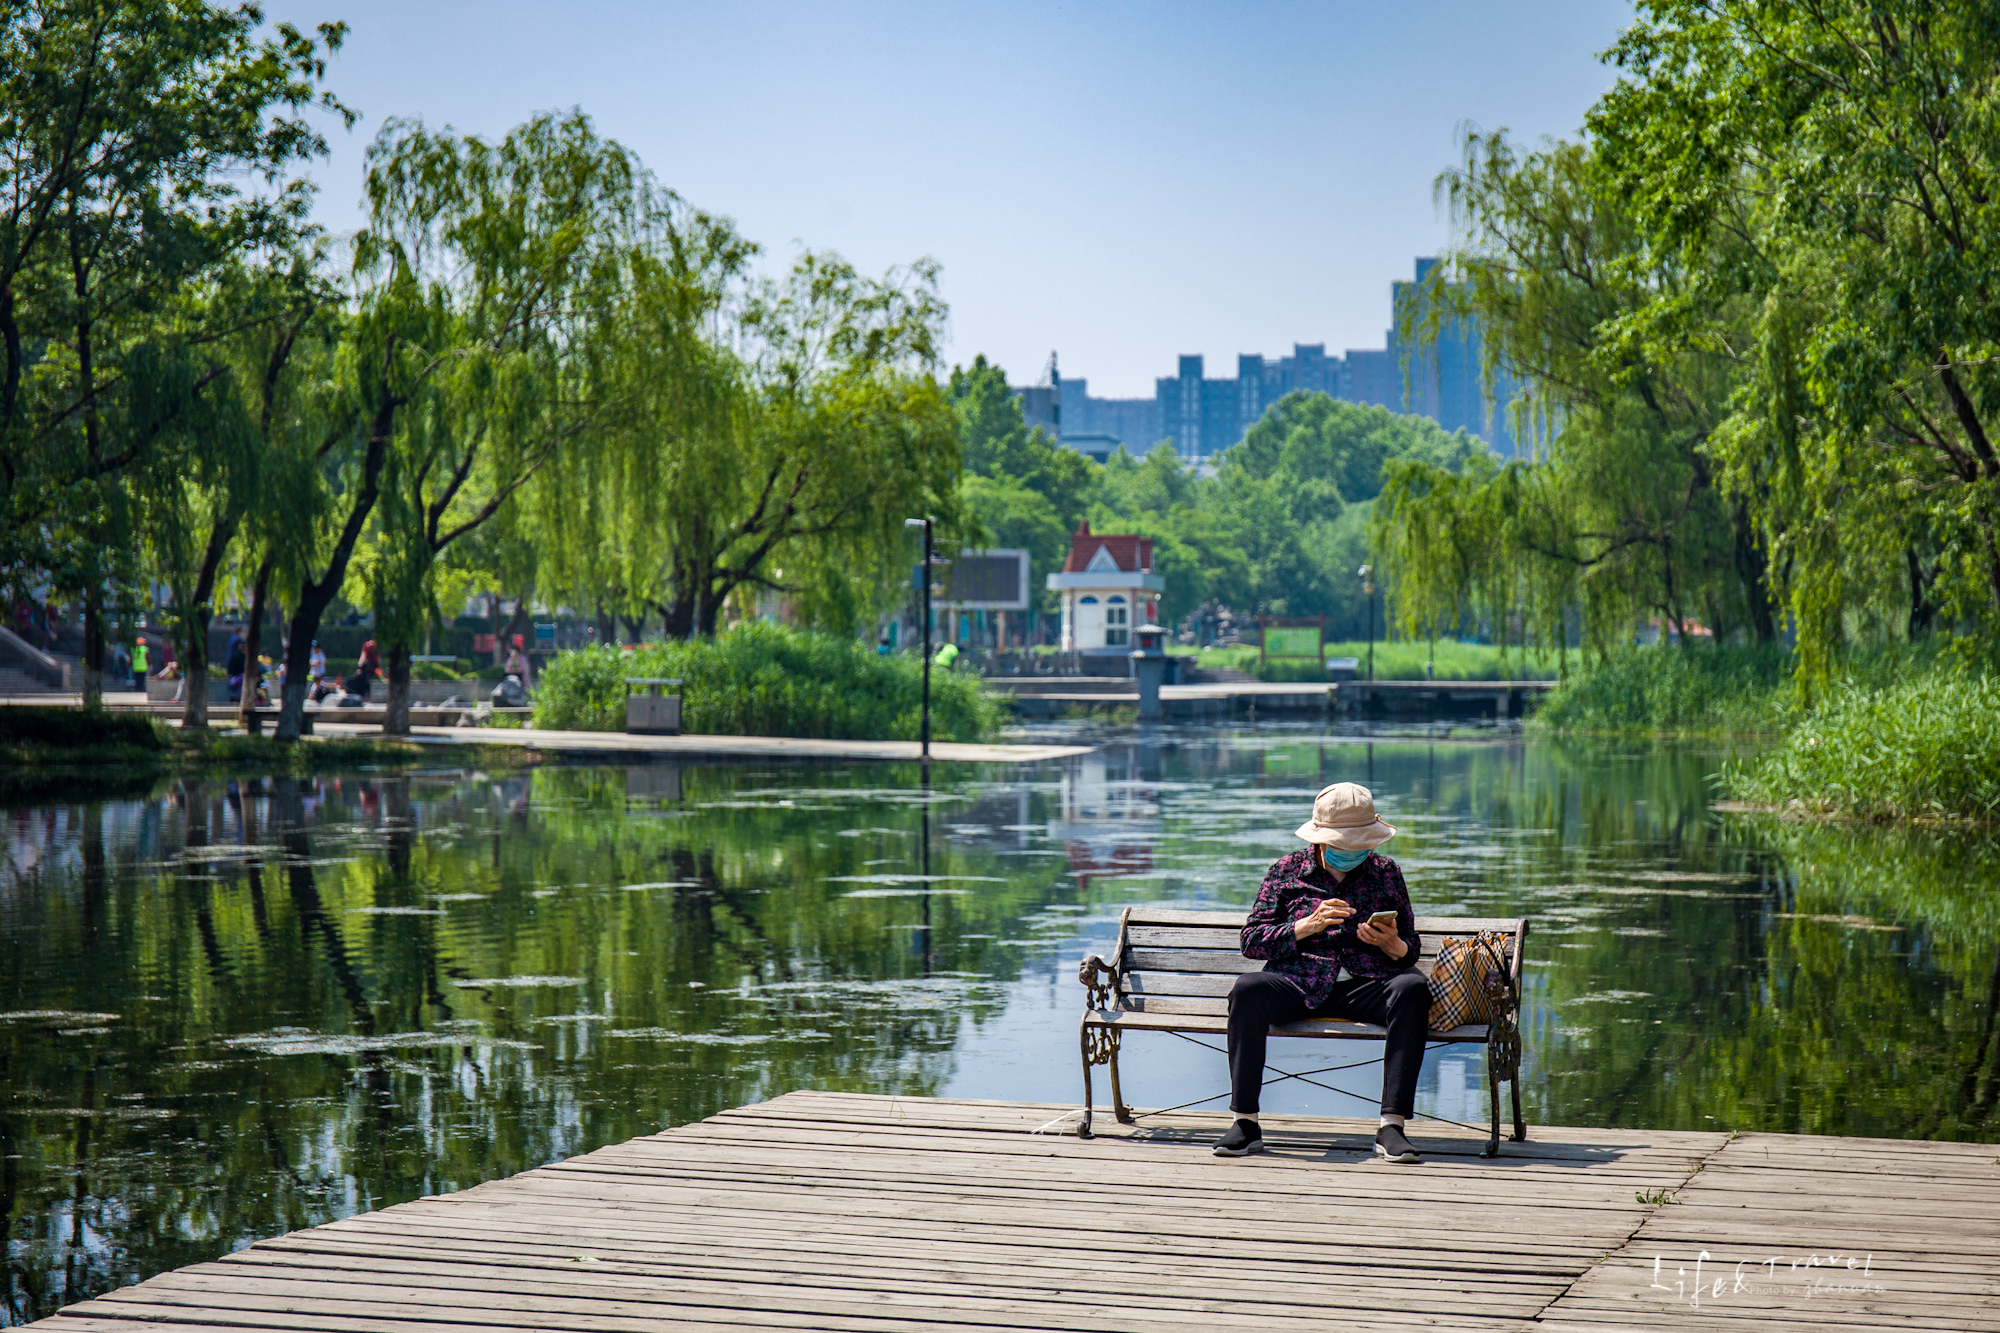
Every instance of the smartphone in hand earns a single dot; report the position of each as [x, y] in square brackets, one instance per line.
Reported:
[1383, 920]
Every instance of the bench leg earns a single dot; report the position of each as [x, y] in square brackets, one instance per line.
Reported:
[1520, 1125]
[1118, 1106]
[1083, 1044]
[1492, 1148]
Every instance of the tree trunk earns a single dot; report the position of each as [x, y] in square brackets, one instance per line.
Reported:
[1993, 568]
[678, 618]
[194, 672]
[396, 721]
[314, 598]
[499, 648]
[94, 644]
[399, 824]
[194, 711]
[253, 644]
[607, 629]
[518, 623]
[1754, 569]
[1920, 605]
[635, 628]
[708, 612]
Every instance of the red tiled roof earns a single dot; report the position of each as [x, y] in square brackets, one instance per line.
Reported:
[1134, 554]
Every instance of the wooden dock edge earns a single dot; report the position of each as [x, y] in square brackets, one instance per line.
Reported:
[880, 1214]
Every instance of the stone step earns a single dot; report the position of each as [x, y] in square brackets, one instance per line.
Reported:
[14, 681]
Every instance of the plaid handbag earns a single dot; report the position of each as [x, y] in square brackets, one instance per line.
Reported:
[1469, 980]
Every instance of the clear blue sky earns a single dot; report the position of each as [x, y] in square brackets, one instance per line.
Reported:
[1119, 182]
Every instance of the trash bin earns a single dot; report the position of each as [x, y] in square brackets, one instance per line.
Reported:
[653, 713]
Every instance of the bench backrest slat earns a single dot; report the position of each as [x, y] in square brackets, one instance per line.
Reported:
[1185, 937]
[1170, 960]
[1190, 960]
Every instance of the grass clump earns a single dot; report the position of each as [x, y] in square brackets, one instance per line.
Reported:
[1925, 746]
[1399, 660]
[1700, 689]
[768, 680]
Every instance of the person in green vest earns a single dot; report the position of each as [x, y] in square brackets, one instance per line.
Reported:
[946, 655]
[140, 666]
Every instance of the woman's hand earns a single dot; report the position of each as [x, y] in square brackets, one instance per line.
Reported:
[1384, 938]
[1330, 913]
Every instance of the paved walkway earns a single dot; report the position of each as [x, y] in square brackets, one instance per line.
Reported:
[910, 1215]
[614, 745]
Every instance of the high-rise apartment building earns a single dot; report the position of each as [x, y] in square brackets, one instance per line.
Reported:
[1204, 416]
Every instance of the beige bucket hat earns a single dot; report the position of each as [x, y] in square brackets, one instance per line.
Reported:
[1344, 818]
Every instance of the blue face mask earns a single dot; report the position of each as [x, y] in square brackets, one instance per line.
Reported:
[1344, 861]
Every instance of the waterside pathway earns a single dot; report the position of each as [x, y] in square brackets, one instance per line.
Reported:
[846, 1212]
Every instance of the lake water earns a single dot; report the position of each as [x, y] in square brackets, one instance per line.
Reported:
[231, 1009]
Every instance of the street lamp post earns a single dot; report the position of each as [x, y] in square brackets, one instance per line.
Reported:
[925, 732]
[1367, 573]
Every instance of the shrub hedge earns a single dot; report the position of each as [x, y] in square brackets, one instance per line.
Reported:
[768, 680]
[77, 728]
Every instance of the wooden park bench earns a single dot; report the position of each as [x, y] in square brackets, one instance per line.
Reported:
[1172, 972]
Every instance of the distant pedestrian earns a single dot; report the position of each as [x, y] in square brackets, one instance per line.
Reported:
[365, 671]
[140, 669]
[235, 665]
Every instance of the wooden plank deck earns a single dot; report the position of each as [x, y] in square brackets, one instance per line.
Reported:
[912, 1215]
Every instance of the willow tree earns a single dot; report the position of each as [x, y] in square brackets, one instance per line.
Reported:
[1618, 509]
[1856, 148]
[604, 511]
[501, 264]
[770, 436]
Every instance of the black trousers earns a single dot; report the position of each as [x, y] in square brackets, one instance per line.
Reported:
[1401, 1003]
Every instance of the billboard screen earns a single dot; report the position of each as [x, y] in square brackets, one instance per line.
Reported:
[1291, 641]
[987, 580]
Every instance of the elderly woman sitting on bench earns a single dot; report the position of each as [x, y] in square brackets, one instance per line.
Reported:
[1333, 923]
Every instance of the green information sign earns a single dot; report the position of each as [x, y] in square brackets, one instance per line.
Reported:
[1299, 641]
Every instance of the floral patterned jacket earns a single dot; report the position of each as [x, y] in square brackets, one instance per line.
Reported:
[1293, 887]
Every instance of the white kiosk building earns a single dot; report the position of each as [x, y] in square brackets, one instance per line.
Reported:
[1108, 589]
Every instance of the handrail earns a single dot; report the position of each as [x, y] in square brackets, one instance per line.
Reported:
[51, 671]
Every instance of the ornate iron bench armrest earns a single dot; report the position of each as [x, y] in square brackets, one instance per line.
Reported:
[1099, 980]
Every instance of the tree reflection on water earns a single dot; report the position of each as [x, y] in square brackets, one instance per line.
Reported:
[230, 1009]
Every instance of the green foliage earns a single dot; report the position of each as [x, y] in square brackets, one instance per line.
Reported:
[1925, 746]
[1335, 451]
[1023, 490]
[770, 437]
[1011, 516]
[768, 680]
[1279, 529]
[995, 441]
[1667, 690]
[127, 133]
[1852, 152]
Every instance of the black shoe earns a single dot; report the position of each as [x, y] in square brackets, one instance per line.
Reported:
[1240, 1140]
[1392, 1146]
